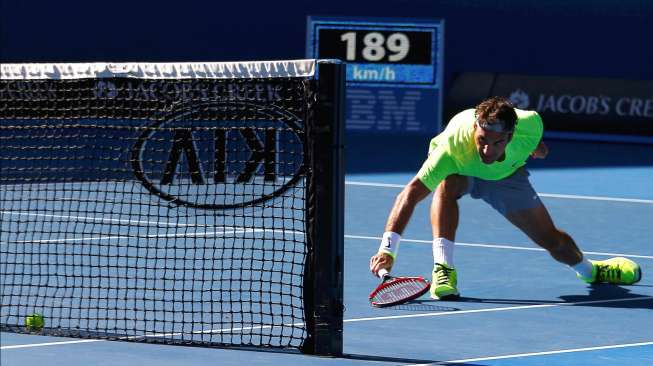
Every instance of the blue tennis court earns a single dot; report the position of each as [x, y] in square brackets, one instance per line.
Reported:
[172, 189]
[518, 306]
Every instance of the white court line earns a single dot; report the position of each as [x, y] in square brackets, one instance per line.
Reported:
[497, 246]
[205, 234]
[570, 350]
[595, 198]
[243, 229]
[492, 310]
[419, 315]
[153, 335]
[97, 219]
[52, 343]
[550, 195]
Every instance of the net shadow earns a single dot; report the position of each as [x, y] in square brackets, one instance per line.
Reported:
[401, 360]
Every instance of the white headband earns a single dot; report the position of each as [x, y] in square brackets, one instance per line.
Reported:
[498, 126]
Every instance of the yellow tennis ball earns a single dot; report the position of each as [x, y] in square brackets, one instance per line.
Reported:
[34, 322]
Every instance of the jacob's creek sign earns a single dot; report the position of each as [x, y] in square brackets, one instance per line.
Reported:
[584, 104]
[619, 108]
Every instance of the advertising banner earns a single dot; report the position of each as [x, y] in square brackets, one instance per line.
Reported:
[585, 108]
[394, 70]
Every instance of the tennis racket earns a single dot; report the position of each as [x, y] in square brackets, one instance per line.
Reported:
[397, 290]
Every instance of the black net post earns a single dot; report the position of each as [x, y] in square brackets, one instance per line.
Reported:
[326, 224]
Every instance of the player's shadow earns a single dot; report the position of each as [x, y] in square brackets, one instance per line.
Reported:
[423, 305]
[601, 295]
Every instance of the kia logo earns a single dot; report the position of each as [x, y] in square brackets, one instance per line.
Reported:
[221, 154]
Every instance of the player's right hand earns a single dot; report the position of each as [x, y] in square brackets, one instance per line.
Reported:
[380, 261]
[541, 151]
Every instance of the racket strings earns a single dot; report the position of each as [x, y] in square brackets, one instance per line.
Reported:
[398, 290]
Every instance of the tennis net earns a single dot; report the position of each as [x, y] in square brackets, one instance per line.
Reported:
[182, 203]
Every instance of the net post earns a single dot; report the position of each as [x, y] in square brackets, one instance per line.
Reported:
[325, 275]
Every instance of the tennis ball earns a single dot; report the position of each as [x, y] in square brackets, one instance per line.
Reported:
[34, 322]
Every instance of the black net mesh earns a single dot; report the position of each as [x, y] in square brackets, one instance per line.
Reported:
[156, 210]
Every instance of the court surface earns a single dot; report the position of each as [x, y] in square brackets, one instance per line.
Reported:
[518, 306]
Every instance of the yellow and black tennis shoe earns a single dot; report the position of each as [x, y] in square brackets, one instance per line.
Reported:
[444, 283]
[617, 271]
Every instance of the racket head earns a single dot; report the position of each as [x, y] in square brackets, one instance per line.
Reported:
[398, 290]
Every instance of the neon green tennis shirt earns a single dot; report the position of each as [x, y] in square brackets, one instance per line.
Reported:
[454, 152]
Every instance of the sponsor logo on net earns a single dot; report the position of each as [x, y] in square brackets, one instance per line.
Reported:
[139, 90]
[193, 162]
[584, 104]
[193, 90]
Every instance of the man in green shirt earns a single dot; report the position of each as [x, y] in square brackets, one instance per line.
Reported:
[482, 152]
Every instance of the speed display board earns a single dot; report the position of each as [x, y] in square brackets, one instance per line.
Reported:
[394, 70]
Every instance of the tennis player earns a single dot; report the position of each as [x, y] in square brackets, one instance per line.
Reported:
[482, 152]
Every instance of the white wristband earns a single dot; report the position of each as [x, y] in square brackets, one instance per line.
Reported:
[390, 244]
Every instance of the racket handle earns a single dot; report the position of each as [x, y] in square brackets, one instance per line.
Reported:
[382, 273]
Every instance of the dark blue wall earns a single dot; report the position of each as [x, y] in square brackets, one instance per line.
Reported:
[612, 38]
[552, 37]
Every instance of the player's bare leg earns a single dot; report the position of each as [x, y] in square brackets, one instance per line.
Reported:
[444, 222]
[537, 224]
[444, 208]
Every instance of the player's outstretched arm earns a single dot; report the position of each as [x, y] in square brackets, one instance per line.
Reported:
[414, 192]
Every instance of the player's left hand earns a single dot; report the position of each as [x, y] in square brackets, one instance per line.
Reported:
[541, 151]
